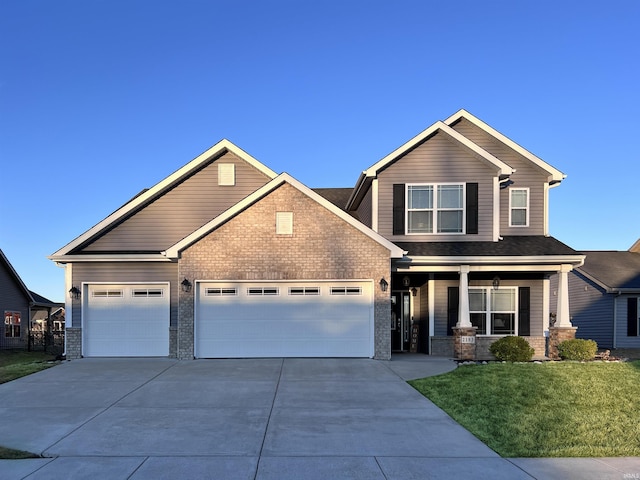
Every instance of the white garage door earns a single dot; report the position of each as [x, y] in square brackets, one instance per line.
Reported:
[284, 319]
[126, 321]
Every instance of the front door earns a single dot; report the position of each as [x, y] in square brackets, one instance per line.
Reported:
[400, 321]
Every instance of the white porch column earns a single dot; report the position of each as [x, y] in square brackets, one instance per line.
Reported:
[464, 318]
[562, 310]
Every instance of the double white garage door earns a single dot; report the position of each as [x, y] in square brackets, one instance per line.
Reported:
[235, 319]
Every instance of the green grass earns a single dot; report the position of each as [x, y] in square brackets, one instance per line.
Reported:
[554, 409]
[19, 363]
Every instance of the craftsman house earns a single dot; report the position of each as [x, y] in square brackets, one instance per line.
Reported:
[441, 247]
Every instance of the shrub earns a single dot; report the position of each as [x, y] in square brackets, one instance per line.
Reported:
[577, 349]
[512, 349]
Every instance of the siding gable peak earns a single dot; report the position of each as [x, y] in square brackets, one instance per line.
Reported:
[149, 195]
[554, 175]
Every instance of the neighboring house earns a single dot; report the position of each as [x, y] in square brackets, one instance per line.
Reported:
[604, 294]
[19, 306]
[446, 237]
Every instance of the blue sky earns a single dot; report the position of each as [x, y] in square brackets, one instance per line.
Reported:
[100, 99]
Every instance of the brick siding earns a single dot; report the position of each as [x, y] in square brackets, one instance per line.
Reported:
[322, 246]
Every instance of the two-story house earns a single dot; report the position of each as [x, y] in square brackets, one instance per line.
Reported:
[442, 245]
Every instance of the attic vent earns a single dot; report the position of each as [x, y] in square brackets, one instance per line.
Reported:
[226, 174]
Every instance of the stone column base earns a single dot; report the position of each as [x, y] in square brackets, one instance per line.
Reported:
[464, 343]
[558, 335]
[73, 343]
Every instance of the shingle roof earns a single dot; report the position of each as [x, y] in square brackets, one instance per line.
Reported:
[615, 269]
[337, 196]
[510, 246]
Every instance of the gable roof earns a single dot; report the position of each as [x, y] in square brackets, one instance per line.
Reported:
[439, 127]
[554, 175]
[174, 251]
[612, 270]
[33, 298]
[161, 187]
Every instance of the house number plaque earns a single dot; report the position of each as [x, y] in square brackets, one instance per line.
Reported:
[467, 339]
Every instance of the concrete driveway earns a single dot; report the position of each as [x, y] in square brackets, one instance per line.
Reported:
[240, 419]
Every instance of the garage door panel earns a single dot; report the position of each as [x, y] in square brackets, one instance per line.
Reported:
[301, 325]
[126, 320]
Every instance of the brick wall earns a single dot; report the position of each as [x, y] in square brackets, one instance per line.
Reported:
[73, 343]
[322, 246]
[483, 344]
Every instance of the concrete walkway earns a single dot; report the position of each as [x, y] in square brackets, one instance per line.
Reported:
[252, 419]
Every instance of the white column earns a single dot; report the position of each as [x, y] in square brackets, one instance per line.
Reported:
[545, 305]
[562, 310]
[464, 318]
[68, 301]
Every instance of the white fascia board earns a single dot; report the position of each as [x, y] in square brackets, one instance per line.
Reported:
[174, 251]
[555, 175]
[218, 148]
[524, 268]
[503, 168]
[102, 257]
[575, 260]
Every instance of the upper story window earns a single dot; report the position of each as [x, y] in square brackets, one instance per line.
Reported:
[435, 208]
[518, 207]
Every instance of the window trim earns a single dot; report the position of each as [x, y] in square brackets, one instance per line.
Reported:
[488, 311]
[346, 290]
[12, 324]
[525, 208]
[435, 209]
[304, 291]
[221, 292]
[263, 291]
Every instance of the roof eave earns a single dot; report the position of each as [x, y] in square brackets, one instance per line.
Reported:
[575, 260]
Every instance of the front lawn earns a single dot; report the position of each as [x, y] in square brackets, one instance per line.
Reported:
[19, 363]
[554, 409]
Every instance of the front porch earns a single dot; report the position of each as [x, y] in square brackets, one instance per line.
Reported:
[485, 302]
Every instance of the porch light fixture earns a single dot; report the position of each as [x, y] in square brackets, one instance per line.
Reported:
[384, 284]
[496, 282]
[186, 285]
[406, 281]
[74, 292]
[414, 291]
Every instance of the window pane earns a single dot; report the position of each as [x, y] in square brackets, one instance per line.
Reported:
[420, 222]
[518, 216]
[421, 197]
[479, 320]
[518, 198]
[450, 221]
[477, 301]
[450, 196]
[503, 300]
[502, 324]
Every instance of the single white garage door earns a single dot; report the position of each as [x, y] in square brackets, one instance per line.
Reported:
[126, 321]
[284, 319]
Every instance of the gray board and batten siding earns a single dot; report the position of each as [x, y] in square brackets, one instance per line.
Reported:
[182, 210]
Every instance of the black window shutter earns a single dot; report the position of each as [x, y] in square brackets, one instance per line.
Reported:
[524, 311]
[398, 209]
[472, 208]
[632, 317]
[453, 294]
